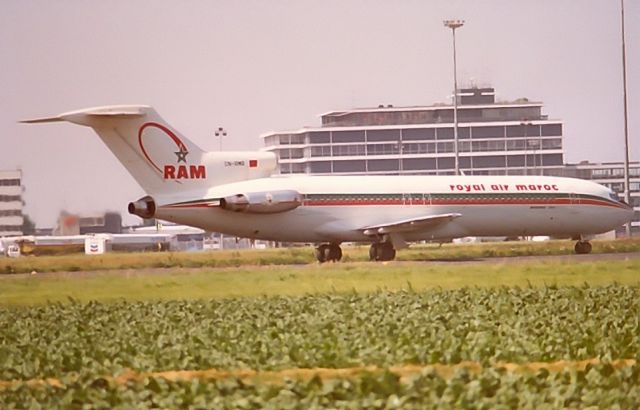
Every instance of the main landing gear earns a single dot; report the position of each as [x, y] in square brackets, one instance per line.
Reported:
[583, 247]
[382, 251]
[328, 252]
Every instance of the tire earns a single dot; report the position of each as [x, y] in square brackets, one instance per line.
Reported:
[320, 254]
[387, 252]
[583, 247]
[373, 252]
[336, 253]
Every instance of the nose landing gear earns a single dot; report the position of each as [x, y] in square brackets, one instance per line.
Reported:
[583, 247]
[328, 252]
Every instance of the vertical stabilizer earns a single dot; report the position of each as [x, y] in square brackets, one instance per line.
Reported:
[161, 160]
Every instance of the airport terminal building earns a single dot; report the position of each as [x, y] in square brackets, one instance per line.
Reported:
[495, 138]
[11, 204]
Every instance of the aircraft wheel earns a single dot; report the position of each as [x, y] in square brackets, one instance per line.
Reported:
[335, 253]
[583, 247]
[382, 252]
[373, 252]
[388, 253]
[328, 253]
[321, 253]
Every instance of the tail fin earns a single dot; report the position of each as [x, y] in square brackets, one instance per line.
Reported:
[161, 160]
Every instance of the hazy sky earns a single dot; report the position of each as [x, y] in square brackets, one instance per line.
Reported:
[258, 66]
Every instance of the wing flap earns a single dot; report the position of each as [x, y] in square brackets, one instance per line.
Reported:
[409, 225]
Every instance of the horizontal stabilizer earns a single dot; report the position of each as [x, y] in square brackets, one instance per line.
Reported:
[84, 117]
[40, 120]
[409, 225]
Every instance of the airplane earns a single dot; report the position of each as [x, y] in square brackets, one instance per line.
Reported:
[237, 193]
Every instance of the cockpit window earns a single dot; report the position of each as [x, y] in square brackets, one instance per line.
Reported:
[614, 196]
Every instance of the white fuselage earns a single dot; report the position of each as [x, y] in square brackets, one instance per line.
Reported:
[337, 208]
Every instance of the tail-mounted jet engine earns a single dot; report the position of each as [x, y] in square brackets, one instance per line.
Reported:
[262, 202]
[143, 207]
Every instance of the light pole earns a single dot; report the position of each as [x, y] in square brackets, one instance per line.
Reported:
[627, 188]
[453, 25]
[220, 132]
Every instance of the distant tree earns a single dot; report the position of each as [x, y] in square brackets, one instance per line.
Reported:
[28, 226]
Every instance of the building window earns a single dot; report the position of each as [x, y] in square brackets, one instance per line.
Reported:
[419, 148]
[285, 168]
[487, 132]
[344, 150]
[297, 138]
[515, 131]
[463, 133]
[553, 130]
[10, 212]
[349, 166]
[552, 159]
[298, 168]
[10, 198]
[321, 151]
[531, 130]
[285, 154]
[383, 135]
[444, 147]
[417, 134]
[492, 161]
[419, 164]
[515, 145]
[9, 182]
[382, 149]
[320, 167]
[383, 165]
[348, 136]
[444, 133]
[446, 163]
[271, 140]
[515, 160]
[552, 143]
[481, 146]
[322, 137]
[291, 153]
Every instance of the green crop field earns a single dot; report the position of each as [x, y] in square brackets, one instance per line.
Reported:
[547, 333]
[75, 354]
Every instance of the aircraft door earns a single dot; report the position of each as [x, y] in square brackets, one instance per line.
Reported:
[574, 199]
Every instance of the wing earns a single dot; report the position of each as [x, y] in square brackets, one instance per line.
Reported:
[395, 229]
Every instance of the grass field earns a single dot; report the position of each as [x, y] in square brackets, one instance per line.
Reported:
[247, 281]
[299, 256]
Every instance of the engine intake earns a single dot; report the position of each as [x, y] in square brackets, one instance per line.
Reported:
[143, 207]
[262, 202]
